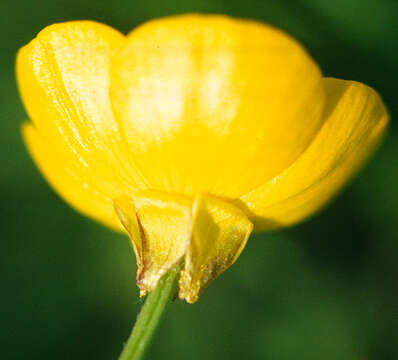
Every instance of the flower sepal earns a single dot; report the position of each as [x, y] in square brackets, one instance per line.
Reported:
[206, 233]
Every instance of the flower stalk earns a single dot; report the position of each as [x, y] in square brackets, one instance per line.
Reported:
[150, 316]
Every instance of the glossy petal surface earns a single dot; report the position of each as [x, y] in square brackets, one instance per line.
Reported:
[188, 131]
[355, 120]
[214, 104]
[62, 176]
[63, 77]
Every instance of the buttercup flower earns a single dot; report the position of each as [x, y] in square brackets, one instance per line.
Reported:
[189, 133]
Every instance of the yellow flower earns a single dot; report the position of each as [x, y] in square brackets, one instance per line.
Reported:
[190, 131]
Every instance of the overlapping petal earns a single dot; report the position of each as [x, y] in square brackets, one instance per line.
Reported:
[355, 119]
[194, 128]
[62, 176]
[214, 104]
[63, 77]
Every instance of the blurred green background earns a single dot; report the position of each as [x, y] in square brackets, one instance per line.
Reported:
[326, 289]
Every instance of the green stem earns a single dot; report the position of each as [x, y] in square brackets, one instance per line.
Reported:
[149, 318]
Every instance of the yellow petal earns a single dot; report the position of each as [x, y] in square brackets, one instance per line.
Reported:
[213, 104]
[159, 226]
[355, 119]
[63, 77]
[219, 233]
[63, 178]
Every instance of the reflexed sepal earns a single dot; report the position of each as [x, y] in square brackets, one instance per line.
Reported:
[208, 233]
